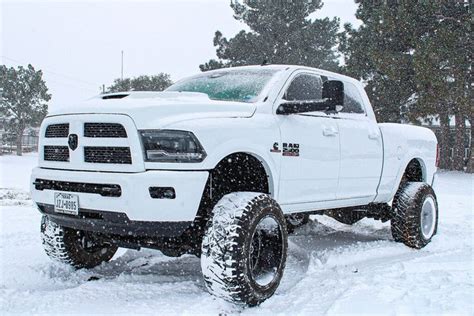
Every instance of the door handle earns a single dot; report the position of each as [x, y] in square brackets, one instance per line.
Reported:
[330, 131]
[373, 135]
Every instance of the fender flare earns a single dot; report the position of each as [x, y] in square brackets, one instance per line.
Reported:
[403, 167]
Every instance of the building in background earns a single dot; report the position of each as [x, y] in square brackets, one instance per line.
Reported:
[8, 139]
[434, 125]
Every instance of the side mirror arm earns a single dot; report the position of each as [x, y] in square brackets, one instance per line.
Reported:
[295, 107]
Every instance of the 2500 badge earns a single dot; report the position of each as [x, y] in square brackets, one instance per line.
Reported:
[289, 149]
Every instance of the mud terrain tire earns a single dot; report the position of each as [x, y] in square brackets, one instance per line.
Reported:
[66, 245]
[244, 248]
[415, 214]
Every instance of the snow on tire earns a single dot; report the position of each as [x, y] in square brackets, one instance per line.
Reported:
[415, 214]
[244, 248]
[67, 245]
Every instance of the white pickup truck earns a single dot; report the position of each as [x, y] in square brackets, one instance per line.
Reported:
[224, 165]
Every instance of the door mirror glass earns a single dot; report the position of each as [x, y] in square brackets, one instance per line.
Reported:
[333, 93]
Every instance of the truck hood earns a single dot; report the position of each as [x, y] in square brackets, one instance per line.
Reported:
[159, 109]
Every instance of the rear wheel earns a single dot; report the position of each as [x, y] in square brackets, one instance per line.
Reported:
[74, 247]
[244, 248]
[415, 214]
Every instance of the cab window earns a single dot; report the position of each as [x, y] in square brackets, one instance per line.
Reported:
[304, 87]
[353, 102]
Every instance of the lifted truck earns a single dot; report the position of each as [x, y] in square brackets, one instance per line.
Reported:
[223, 165]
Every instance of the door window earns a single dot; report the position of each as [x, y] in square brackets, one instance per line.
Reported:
[304, 87]
[352, 100]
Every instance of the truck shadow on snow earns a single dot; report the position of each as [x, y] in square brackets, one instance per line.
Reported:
[314, 242]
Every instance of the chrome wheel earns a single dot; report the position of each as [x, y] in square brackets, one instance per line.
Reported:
[428, 217]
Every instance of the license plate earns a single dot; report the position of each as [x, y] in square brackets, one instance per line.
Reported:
[66, 203]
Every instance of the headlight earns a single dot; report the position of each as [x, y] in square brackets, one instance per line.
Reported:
[171, 146]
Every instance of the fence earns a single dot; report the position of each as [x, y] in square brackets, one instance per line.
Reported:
[29, 144]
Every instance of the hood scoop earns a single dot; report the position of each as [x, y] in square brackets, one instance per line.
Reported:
[154, 95]
[114, 96]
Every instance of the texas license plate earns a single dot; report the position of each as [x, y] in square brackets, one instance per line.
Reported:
[66, 203]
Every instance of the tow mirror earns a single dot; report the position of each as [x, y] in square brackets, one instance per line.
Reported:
[333, 92]
[332, 101]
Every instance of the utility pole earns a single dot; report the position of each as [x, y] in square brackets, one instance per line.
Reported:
[122, 68]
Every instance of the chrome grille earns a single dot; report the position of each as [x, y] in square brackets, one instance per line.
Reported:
[57, 131]
[104, 130]
[109, 155]
[56, 153]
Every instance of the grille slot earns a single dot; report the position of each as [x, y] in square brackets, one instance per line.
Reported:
[104, 130]
[57, 131]
[113, 190]
[112, 155]
[56, 153]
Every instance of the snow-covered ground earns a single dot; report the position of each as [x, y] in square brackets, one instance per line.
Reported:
[332, 268]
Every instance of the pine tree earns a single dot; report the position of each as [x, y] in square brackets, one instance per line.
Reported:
[281, 32]
[24, 100]
[415, 58]
[141, 83]
[380, 53]
[443, 65]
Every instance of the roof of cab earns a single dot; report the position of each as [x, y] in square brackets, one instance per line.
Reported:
[290, 68]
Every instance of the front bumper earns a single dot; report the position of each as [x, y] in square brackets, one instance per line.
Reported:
[135, 200]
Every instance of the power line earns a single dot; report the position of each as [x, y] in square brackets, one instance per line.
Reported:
[55, 73]
[72, 85]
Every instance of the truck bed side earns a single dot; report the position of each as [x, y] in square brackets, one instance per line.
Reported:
[403, 143]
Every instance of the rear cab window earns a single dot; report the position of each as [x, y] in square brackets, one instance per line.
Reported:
[353, 102]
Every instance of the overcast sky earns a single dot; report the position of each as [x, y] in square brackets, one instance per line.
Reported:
[78, 44]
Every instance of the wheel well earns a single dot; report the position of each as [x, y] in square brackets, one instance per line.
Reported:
[238, 172]
[413, 172]
[235, 172]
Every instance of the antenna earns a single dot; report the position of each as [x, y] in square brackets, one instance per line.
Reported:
[122, 68]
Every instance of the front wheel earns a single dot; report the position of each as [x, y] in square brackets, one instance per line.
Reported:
[244, 248]
[74, 247]
[415, 214]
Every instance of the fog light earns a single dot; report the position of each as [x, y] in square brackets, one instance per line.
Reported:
[162, 193]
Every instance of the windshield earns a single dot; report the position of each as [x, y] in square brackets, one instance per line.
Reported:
[228, 85]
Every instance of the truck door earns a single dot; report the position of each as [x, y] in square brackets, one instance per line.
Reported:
[309, 147]
[361, 149]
